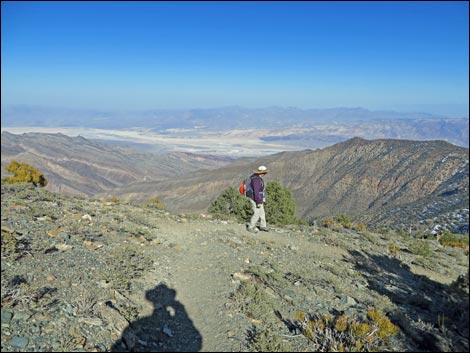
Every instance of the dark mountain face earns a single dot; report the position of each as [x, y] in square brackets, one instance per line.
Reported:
[81, 167]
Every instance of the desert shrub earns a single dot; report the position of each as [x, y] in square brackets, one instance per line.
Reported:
[394, 249]
[343, 220]
[447, 238]
[254, 302]
[9, 243]
[270, 275]
[155, 203]
[361, 227]
[420, 247]
[280, 205]
[369, 236]
[231, 203]
[328, 223]
[343, 333]
[24, 173]
[264, 339]
[455, 244]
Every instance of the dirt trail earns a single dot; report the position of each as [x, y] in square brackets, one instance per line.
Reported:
[202, 269]
[201, 277]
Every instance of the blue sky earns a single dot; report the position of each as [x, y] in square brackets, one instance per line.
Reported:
[405, 56]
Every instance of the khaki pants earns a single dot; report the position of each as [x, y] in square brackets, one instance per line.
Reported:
[258, 214]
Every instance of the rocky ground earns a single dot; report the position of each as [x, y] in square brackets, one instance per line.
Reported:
[86, 275]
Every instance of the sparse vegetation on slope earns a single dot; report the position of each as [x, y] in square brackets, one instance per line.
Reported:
[85, 275]
[396, 184]
[24, 173]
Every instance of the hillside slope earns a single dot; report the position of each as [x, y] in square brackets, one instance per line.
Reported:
[81, 275]
[77, 166]
[355, 177]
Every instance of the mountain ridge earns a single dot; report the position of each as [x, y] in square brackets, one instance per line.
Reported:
[351, 177]
[384, 182]
[76, 165]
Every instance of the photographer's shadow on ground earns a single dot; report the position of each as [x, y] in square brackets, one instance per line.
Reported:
[168, 329]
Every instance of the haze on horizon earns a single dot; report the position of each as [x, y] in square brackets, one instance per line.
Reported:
[402, 56]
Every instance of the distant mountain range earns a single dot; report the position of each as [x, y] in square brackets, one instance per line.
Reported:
[399, 183]
[232, 117]
[455, 131]
[311, 128]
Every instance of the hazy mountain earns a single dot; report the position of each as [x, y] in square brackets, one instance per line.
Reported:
[233, 117]
[455, 131]
[75, 165]
[311, 128]
[355, 177]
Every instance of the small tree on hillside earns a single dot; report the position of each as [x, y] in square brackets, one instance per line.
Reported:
[231, 203]
[24, 173]
[280, 205]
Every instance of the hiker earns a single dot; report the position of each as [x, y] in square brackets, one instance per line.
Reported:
[257, 200]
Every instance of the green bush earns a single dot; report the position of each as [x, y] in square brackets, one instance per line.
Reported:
[279, 208]
[24, 173]
[446, 236]
[280, 205]
[231, 203]
[420, 247]
[343, 220]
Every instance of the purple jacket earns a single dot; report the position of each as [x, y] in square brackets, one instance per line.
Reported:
[257, 184]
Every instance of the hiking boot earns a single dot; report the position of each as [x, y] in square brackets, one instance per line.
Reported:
[264, 229]
[252, 230]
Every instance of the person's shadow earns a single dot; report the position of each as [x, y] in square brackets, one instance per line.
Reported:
[168, 329]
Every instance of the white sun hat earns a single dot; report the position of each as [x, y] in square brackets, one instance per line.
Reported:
[261, 170]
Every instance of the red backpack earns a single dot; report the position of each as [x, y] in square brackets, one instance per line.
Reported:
[245, 188]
